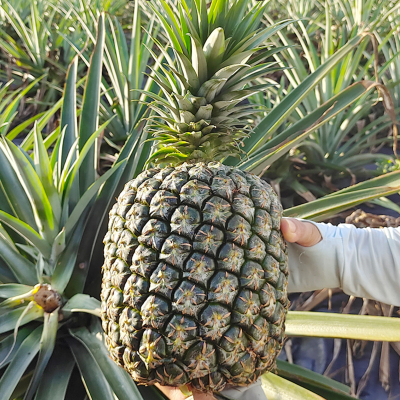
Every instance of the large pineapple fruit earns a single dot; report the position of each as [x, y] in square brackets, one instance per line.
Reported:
[195, 272]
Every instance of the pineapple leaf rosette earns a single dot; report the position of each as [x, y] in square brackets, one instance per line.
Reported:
[195, 272]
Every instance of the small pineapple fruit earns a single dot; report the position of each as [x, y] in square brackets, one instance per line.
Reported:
[195, 273]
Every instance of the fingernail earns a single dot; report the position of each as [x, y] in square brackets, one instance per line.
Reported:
[292, 226]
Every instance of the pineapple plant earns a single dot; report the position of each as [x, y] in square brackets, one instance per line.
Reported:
[52, 213]
[51, 204]
[195, 271]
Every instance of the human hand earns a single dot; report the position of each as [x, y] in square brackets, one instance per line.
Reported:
[303, 233]
[174, 393]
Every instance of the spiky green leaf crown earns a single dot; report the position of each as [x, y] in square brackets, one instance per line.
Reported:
[202, 115]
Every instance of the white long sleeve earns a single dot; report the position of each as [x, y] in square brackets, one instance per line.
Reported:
[362, 262]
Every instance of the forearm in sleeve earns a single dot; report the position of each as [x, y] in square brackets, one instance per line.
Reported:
[362, 262]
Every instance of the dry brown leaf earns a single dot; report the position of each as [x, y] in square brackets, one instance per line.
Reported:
[387, 101]
[360, 124]
[360, 345]
[329, 184]
[347, 307]
[350, 376]
[364, 307]
[364, 380]
[306, 195]
[373, 308]
[276, 186]
[337, 345]
[288, 350]
[384, 367]
[396, 347]
[317, 298]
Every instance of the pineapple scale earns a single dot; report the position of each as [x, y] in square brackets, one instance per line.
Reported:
[195, 277]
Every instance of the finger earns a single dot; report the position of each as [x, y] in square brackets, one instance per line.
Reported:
[173, 393]
[202, 396]
[301, 232]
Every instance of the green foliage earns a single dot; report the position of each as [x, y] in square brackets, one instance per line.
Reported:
[341, 148]
[40, 38]
[127, 67]
[388, 166]
[35, 48]
[199, 116]
[54, 204]
[9, 103]
[47, 210]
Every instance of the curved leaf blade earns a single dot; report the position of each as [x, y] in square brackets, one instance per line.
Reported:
[23, 357]
[13, 189]
[320, 209]
[274, 119]
[13, 289]
[83, 303]
[21, 268]
[9, 320]
[346, 326]
[120, 381]
[93, 378]
[34, 190]
[277, 388]
[47, 343]
[56, 376]
[27, 233]
[89, 116]
[68, 114]
[10, 345]
[319, 384]
[86, 199]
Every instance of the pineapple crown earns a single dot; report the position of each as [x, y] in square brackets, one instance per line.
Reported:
[220, 52]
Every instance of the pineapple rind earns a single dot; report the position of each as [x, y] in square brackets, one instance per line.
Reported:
[195, 277]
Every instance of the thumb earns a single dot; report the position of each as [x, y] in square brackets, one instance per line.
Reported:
[301, 232]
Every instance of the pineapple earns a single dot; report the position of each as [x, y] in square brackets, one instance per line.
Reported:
[195, 272]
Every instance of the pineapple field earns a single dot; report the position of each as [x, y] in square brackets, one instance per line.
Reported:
[148, 152]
